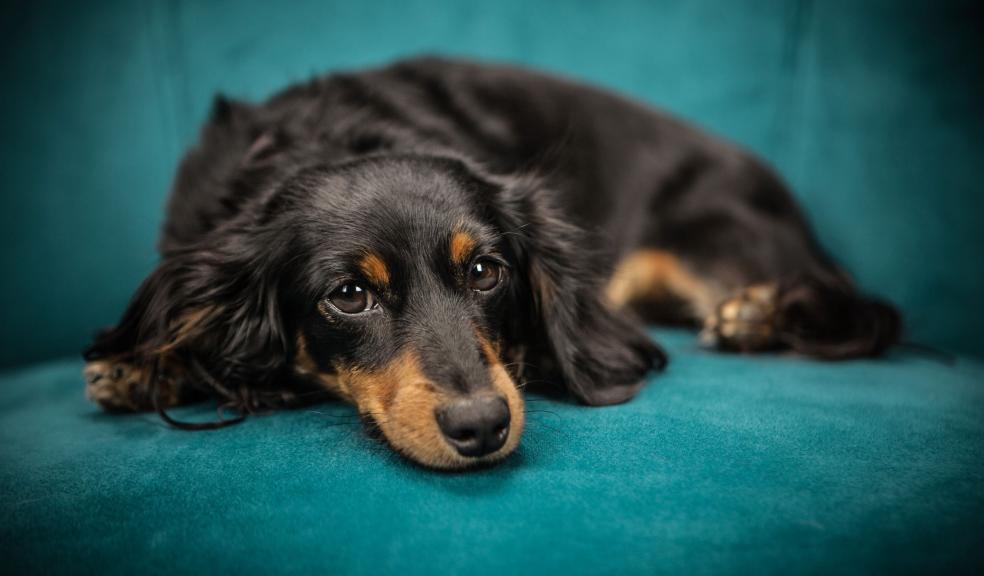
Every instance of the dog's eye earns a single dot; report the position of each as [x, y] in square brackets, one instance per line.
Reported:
[484, 275]
[352, 299]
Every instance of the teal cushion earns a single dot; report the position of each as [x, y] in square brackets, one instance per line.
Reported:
[724, 464]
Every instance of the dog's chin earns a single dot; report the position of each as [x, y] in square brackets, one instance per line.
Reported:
[442, 456]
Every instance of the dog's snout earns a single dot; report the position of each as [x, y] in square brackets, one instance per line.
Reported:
[475, 425]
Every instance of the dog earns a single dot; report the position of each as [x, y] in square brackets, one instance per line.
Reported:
[422, 239]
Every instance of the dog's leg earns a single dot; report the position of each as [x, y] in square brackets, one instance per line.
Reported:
[661, 288]
[119, 385]
[726, 246]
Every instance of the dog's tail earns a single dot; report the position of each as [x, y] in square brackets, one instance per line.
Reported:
[831, 320]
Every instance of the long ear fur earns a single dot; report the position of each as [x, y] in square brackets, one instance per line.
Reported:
[213, 309]
[570, 333]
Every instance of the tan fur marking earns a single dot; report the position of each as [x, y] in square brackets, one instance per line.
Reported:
[119, 385]
[543, 288]
[653, 274]
[490, 349]
[305, 367]
[123, 383]
[729, 310]
[303, 363]
[184, 328]
[375, 269]
[401, 400]
[462, 245]
[504, 385]
[746, 322]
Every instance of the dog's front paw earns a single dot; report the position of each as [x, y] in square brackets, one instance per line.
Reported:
[122, 387]
[744, 323]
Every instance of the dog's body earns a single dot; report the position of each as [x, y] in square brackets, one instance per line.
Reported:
[421, 237]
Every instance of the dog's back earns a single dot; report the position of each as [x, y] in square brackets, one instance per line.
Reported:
[605, 154]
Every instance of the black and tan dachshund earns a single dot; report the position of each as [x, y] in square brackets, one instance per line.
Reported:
[423, 238]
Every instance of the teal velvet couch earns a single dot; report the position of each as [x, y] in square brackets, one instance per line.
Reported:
[723, 464]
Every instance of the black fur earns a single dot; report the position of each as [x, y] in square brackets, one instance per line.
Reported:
[556, 179]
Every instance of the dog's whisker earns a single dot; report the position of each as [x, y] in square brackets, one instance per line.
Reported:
[535, 424]
[522, 365]
[336, 424]
[342, 419]
[543, 412]
[526, 383]
[309, 393]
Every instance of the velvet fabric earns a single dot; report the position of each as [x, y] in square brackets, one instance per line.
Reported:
[724, 464]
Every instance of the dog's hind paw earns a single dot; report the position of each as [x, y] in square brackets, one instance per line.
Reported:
[744, 323]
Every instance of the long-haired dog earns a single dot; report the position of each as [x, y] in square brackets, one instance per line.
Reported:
[423, 238]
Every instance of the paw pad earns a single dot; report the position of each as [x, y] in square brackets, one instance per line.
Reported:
[744, 323]
[115, 386]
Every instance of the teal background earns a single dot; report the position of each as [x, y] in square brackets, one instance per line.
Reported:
[871, 110]
[725, 464]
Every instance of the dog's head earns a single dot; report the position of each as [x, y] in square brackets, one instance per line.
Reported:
[417, 288]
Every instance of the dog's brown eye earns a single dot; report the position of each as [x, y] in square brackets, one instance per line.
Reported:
[352, 299]
[484, 275]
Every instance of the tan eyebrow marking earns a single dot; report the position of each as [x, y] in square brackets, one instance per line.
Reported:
[374, 269]
[462, 245]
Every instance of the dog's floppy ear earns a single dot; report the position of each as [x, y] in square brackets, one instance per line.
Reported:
[570, 333]
[212, 309]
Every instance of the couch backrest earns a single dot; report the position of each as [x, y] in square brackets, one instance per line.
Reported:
[871, 111]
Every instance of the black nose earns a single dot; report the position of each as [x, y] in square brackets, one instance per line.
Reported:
[475, 426]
